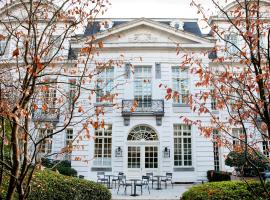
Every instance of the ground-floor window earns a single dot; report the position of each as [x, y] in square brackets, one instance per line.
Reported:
[46, 144]
[182, 145]
[103, 146]
[216, 150]
[69, 140]
[266, 148]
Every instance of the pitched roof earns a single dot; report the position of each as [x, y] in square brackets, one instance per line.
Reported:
[189, 26]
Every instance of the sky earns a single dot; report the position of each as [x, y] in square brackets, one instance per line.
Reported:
[151, 9]
[155, 9]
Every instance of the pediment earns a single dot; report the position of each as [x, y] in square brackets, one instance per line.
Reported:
[144, 31]
[143, 34]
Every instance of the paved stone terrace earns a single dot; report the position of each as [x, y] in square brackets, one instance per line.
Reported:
[164, 194]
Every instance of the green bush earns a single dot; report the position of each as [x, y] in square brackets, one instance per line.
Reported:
[48, 185]
[214, 176]
[227, 190]
[238, 159]
[63, 167]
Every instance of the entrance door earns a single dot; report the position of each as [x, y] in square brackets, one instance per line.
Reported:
[142, 151]
[142, 159]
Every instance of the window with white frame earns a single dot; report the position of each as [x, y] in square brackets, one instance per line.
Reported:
[50, 95]
[72, 93]
[180, 83]
[53, 47]
[143, 86]
[69, 141]
[213, 101]
[46, 144]
[182, 145]
[216, 150]
[266, 148]
[237, 137]
[3, 47]
[231, 44]
[105, 85]
[103, 146]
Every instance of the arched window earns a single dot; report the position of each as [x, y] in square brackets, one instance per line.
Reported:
[142, 132]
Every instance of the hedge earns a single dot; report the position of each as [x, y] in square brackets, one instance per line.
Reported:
[48, 185]
[227, 190]
[215, 176]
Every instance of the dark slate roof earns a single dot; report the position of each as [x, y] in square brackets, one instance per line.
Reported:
[191, 27]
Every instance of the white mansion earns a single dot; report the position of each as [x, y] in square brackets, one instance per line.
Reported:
[152, 137]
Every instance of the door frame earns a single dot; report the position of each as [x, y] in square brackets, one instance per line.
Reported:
[142, 144]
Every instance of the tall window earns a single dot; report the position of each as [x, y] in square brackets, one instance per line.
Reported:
[182, 145]
[54, 47]
[231, 44]
[46, 144]
[105, 85]
[180, 84]
[69, 140]
[213, 101]
[216, 150]
[266, 148]
[143, 86]
[237, 134]
[3, 47]
[103, 146]
[72, 92]
[50, 94]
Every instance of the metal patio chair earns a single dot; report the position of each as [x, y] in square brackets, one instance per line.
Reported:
[151, 178]
[168, 178]
[123, 182]
[101, 178]
[143, 182]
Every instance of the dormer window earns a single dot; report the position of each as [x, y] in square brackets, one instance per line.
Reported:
[177, 24]
[107, 24]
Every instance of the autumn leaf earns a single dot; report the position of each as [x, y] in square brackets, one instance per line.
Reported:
[44, 107]
[100, 44]
[15, 53]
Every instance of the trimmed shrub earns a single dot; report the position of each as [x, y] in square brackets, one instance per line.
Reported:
[63, 167]
[48, 185]
[215, 176]
[227, 190]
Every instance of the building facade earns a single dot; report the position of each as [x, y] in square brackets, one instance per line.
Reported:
[152, 135]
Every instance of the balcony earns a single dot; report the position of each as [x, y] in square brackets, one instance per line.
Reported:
[142, 108]
[51, 115]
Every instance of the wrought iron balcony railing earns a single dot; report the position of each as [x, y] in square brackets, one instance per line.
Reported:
[50, 115]
[143, 107]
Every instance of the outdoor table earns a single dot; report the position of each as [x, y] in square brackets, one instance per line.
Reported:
[159, 181]
[109, 183]
[134, 180]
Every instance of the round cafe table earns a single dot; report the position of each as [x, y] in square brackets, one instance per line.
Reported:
[109, 182]
[134, 181]
[159, 181]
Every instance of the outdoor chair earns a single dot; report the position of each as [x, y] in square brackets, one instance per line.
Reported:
[151, 178]
[101, 178]
[143, 182]
[123, 182]
[168, 178]
[115, 179]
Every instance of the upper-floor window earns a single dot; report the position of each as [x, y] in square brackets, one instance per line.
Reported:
[50, 94]
[71, 93]
[231, 44]
[103, 146]
[105, 85]
[237, 137]
[143, 86]
[213, 101]
[180, 83]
